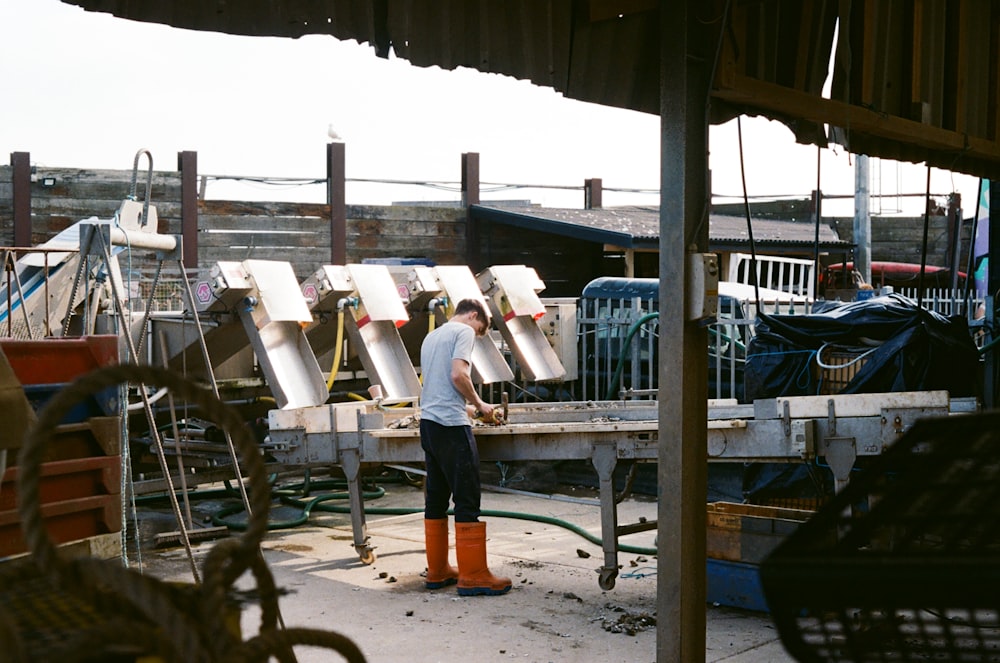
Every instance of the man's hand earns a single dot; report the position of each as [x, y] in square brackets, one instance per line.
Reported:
[487, 413]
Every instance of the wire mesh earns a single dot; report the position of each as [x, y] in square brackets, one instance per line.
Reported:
[914, 573]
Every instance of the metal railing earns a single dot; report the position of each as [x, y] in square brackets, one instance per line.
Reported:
[618, 341]
[28, 298]
[791, 275]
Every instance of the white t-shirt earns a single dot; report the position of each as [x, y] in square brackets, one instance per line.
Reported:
[440, 401]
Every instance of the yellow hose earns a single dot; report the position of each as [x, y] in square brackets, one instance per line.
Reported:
[336, 359]
[336, 352]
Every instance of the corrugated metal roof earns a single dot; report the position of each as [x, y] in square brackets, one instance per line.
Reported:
[635, 227]
[914, 81]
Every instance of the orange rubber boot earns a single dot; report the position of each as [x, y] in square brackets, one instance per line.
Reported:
[439, 572]
[474, 578]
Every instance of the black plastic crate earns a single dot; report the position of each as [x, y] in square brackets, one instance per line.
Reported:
[913, 570]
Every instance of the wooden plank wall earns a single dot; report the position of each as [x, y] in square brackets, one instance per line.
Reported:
[6, 206]
[79, 194]
[300, 232]
[296, 233]
[233, 230]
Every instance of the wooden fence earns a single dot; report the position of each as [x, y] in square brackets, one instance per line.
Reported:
[303, 233]
[300, 233]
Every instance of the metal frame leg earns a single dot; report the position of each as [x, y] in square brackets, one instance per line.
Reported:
[351, 464]
[840, 453]
[605, 459]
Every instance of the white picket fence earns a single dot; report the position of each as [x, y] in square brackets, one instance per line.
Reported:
[949, 302]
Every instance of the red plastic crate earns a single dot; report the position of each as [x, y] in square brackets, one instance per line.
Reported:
[59, 360]
[69, 520]
[67, 480]
[79, 499]
[97, 436]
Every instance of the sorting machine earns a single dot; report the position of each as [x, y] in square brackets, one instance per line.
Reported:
[375, 304]
[385, 311]
[837, 429]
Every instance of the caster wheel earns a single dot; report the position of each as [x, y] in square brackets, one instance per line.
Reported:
[366, 554]
[606, 579]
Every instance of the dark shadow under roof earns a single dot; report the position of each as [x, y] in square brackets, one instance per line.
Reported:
[638, 228]
[909, 85]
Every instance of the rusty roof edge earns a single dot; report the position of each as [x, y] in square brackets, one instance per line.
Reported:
[545, 220]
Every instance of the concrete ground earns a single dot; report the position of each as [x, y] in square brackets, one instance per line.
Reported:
[555, 612]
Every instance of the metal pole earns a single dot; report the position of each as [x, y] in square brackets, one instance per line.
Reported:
[954, 239]
[862, 219]
[923, 246]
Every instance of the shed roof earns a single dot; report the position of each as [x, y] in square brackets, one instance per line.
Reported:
[638, 227]
[909, 85]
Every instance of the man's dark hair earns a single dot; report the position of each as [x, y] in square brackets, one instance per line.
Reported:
[467, 305]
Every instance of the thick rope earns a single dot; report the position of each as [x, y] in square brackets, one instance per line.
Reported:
[188, 629]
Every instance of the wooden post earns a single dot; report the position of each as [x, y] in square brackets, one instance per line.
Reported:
[470, 196]
[686, 73]
[592, 193]
[187, 164]
[21, 164]
[336, 198]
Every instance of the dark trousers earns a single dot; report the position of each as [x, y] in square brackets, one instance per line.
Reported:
[452, 471]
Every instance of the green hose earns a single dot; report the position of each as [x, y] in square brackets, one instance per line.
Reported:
[296, 495]
[989, 346]
[548, 520]
[219, 518]
[613, 385]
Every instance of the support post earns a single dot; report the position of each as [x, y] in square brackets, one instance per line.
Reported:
[187, 164]
[21, 165]
[817, 219]
[992, 369]
[954, 239]
[862, 219]
[336, 198]
[686, 68]
[593, 193]
[470, 196]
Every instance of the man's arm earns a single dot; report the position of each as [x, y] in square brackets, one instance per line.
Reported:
[461, 377]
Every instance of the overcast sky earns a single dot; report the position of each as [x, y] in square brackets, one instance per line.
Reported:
[86, 90]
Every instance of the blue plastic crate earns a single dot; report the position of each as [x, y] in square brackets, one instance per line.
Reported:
[735, 584]
[103, 403]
